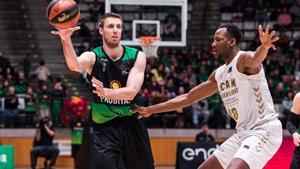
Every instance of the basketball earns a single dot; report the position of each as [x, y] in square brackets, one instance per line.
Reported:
[63, 13]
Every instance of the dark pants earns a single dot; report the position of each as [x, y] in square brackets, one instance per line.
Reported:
[122, 143]
[50, 152]
[296, 159]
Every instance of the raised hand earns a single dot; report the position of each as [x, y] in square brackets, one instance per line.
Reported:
[266, 38]
[142, 111]
[296, 139]
[65, 33]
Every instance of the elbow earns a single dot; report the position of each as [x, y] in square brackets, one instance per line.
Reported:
[131, 96]
[74, 68]
[188, 100]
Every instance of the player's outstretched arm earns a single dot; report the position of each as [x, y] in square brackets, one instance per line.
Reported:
[77, 64]
[134, 82]
[253, 60]
[196, 94]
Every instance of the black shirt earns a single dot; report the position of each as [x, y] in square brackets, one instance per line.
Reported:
[45, 138]
[204, 137]
[293, 122]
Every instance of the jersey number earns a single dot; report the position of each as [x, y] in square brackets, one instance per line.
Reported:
[233, 113]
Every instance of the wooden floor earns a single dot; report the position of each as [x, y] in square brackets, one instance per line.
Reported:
[158, 167]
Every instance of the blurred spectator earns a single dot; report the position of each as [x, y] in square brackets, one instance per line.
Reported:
[283, 40]
[204, 135]
[284, 19]
[261, 12]
[141, 99]
[11, 107]
[26, 65]
[57, 98]
[295, 11]
[30, 105]
[4, 87]
[84, 31]
[42, 72]
[44, 101]
[43, 144]
[4, 64]
[21, 83]
[170, 28]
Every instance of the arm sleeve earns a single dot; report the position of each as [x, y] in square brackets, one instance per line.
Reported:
[293, 122]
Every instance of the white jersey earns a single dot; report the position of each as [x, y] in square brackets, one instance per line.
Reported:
[247, 98]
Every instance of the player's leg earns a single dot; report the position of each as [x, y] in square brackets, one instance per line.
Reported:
[137, 152]
[211, 163]
[222, 155]
[258, 146]
[237, 163]
[295, 164]
[107, 144]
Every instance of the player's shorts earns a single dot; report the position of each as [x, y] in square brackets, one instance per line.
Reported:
[256, 146]
[122, 143]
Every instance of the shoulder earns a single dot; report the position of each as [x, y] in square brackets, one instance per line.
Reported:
[296, 104]
[88, 54]
[132, 51]
[245, 54]
[297, 98]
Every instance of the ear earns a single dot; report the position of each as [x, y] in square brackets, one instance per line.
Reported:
[100, 31]
[232, 42]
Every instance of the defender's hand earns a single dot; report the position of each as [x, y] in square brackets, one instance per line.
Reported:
[266, 38]
[142, 111]
[296, 139]
[65, 33]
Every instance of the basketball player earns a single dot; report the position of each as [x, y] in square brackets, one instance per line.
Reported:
[243, 87]
[293, 125]
[116, 73]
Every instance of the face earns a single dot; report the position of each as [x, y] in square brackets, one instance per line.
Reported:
[111, 31]
[204, 128]
[222, 43]
[11, 90]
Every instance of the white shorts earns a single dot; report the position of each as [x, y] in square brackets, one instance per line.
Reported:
[256, 146]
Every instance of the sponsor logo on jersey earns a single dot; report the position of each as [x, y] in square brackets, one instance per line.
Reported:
[111, 101]
[115, 84]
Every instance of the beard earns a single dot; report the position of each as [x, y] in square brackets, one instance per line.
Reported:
[111, 44]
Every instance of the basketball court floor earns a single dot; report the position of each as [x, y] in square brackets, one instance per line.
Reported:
[159, 167]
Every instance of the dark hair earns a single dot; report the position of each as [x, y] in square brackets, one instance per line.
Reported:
[203, 124]
[42, 62]
[233, 31]
[107, 15]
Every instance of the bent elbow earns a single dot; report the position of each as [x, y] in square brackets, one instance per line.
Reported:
[74, 68]
[131, 97]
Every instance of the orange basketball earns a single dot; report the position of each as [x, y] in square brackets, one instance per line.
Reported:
[63, 13]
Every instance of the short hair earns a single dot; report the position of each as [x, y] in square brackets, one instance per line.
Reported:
[108, 15]
[233, 31]
[203, 124]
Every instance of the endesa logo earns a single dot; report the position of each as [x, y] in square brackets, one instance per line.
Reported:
[190, 153]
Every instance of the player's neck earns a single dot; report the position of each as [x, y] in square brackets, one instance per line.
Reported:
[231, 55]
[113, 53]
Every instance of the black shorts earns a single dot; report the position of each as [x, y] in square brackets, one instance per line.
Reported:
[122, 143]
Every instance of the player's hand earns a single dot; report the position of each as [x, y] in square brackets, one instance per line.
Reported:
[142, 111]
[65, 33]
[266, 38]
[296, 139]
[98, 85]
